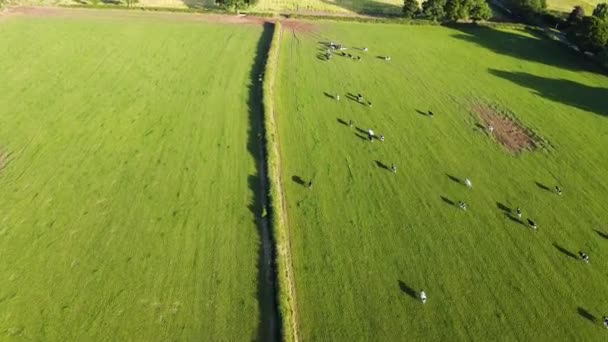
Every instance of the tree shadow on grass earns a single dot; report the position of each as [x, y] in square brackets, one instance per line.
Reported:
[586, 314]
[587, 98]
[526, 44]
[268, 326]
[564, 251]
[407, 290]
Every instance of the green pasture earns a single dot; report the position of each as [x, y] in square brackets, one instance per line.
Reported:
[365, 241]
[128, 178]
[568, 5]
[334, 6]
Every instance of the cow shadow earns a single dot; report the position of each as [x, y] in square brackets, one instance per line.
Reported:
[298, 180]
[421, 112]
[340, 121]
[586, 314]
[448, 201]
[333, 97]
[542, 186]
[503, 207]
[601, 234]
[407, 290]
[564, 251]
[382, 165]
[454, 179]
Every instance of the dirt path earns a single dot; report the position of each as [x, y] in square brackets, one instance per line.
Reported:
[281, 213]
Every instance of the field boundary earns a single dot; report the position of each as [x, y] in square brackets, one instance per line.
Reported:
[278, 212]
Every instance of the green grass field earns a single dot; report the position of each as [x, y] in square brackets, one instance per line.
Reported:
[365, 240]
[568, 5]
[337, 6]
[127, 178]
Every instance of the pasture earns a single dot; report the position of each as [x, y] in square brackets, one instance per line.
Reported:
[567, 5]
[128, 174]
[332, 6]
[365, 241]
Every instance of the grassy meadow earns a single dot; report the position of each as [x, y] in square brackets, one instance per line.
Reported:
[365, 241]
[128, 179]
[568, 5]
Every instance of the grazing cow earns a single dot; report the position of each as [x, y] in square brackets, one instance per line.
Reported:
[387, 58]
[584, 257]
[422, 296]
[365, 49]
[337, 97]
[518, 211]
[394, 168]
[491, 128]
[462, 205]
[382, 138]
[310, 184]
[468, 183]
[431, 113]
[369, 103]
[558, 190]
[606, 321]
[532, 224]
[350, 123]
[359, 97]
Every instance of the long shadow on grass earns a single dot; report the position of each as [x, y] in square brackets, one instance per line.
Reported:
[586, 314]
[448, 201]
[588, 98]
[406, 289]
[454, 179]
[601, 234]
[542, 186]
[269, 325]
[526, 44]
[564, 251]
[298, 180]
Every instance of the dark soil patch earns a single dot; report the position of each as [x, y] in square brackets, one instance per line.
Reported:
[298, 26]
[508, 131]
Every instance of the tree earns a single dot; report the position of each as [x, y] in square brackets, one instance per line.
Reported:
[234, 4]
[591, 34]
[480, 10]
[528, 8]
[601, 11]
[434, 9]
[410, 8]
[576, 15]
[456, 9]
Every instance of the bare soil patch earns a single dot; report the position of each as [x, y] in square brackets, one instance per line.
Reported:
[298, 26]
[508, 131]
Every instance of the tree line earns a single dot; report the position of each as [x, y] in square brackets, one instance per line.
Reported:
[590, 33]
[448, 10]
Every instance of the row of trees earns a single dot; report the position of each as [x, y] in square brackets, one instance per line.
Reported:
[448, 10]
[235, 4]
[590, 33]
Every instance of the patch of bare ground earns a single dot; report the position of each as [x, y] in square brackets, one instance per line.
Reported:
[507, 130]
[63, 12]
[298, 26]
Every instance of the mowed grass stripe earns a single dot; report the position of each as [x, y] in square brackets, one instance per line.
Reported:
[362, 230]
[125, 204]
